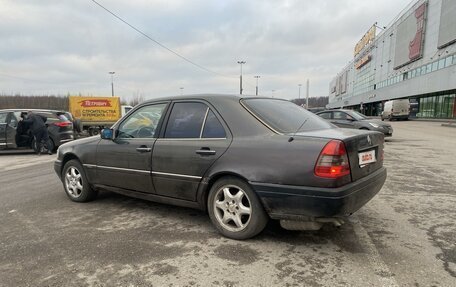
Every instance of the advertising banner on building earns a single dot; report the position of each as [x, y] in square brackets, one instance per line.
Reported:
[410, 37]
[447, 29]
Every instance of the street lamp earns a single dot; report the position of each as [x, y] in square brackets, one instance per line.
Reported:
[182, 90]
[299, 93]
[112, 83]
[256, 90]
[240, 78]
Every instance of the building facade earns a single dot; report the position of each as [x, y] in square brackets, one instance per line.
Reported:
[414, 57]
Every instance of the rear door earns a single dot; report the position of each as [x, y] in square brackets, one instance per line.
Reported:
[194, 138]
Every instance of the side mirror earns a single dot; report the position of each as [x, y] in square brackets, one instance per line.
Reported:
[107, 134]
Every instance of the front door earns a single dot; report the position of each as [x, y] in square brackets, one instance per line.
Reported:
[195, 136]
[126, 161]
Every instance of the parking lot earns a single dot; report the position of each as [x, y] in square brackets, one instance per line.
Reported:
[404, 237]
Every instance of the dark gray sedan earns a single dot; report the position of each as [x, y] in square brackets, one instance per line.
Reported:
[354, 120]
[244, 160]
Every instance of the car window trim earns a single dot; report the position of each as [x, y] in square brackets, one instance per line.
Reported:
[204, 122]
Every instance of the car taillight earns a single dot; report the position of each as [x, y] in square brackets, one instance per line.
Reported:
[333, 161]
[62, 124]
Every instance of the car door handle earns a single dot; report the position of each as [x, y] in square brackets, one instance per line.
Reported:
[143, 149]
[206, 151]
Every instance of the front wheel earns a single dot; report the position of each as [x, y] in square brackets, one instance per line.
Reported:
[235, 210]
[75, 182]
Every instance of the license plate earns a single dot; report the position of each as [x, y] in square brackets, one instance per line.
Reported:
[366, 157]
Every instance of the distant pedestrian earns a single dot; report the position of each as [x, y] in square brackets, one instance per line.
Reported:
[39, 131]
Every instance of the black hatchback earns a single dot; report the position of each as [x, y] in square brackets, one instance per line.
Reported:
[14, 134]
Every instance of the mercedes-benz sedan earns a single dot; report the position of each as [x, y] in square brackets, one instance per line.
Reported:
[244, 160]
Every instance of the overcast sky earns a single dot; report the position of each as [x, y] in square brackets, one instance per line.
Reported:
[64, 46]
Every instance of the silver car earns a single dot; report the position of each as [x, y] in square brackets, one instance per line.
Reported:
[354, 120]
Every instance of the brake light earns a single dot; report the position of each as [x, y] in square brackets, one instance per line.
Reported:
[62, 124]
[333, 161]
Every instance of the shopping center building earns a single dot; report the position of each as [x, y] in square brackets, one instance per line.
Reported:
[414, 57]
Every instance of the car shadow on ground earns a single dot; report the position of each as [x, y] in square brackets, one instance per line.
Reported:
[344, 236]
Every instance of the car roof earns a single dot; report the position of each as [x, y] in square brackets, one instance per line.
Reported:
[208, 97]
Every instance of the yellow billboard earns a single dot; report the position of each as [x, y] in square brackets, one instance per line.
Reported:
[95, 109]
[365, 40]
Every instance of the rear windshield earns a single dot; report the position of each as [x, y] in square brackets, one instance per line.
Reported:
[285, 116]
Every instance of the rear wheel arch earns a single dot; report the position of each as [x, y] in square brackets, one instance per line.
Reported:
[240, 215]
[212, 180]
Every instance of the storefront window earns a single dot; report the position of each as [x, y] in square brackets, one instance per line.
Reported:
[443, 107]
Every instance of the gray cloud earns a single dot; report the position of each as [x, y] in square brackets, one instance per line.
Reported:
[62, 47]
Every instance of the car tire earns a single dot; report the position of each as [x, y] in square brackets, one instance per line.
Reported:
[51, 146]
[75, 182]
[235, 209]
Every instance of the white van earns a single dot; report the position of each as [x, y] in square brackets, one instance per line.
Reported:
[396, 109]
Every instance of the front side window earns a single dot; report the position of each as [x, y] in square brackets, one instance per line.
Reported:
[142, 123]
[326, 116]
[340, 116]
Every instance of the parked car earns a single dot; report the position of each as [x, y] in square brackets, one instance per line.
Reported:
[354, 120]
[396, 109]
[14, 135]
[242, 159]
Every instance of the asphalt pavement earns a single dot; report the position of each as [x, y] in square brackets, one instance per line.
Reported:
[404, 237]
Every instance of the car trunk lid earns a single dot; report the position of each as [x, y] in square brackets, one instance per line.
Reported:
[364, 148]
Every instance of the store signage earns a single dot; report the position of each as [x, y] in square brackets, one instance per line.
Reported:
[365, 40]
[363, 61]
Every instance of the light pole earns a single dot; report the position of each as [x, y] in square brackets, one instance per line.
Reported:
[299, 93]
[256, 90]
[240, 78]
[112, 83]
[182, 90]
[307, 94]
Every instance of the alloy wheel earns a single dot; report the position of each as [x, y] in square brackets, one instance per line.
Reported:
[232, 208]
[73, 182]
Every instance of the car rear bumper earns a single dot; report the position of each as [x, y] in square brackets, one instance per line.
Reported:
[303, 203]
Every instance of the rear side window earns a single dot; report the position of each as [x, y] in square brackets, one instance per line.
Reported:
[186, 120]
[213, 128]
[193, 120]
[284, 116]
